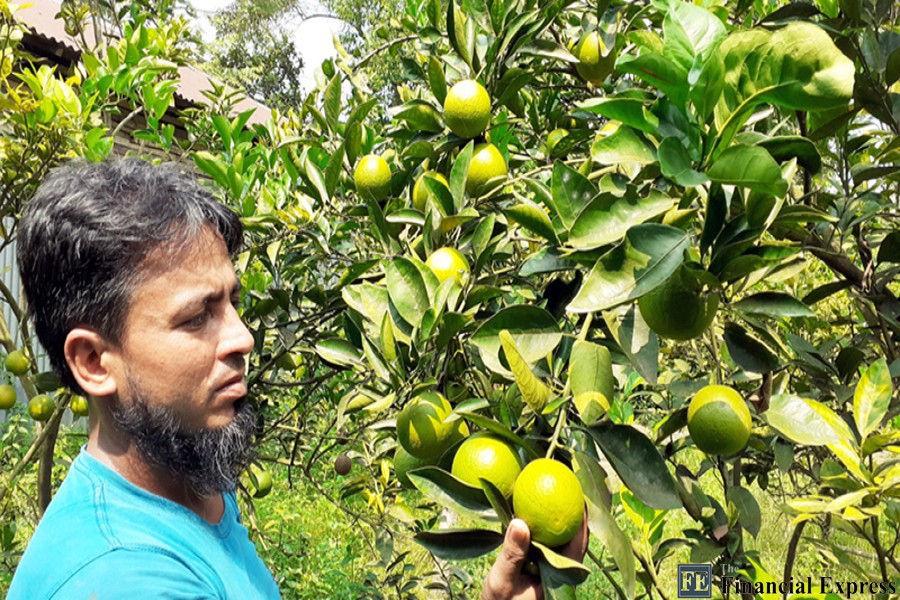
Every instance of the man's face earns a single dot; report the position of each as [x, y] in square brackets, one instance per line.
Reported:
[180, 366]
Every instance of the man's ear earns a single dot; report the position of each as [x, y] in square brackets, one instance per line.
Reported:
[92, 360]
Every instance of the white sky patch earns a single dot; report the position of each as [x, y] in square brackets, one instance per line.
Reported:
[313, 38]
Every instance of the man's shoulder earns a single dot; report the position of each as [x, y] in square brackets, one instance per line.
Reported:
[120, 573]
[95, 526]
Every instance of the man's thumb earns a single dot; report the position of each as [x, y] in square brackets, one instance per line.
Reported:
[515, 547]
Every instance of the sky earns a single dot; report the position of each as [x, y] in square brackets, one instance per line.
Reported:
[313, 38]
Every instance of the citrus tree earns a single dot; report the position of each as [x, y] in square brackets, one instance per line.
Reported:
[638, 258]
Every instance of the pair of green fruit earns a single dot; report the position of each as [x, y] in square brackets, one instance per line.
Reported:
[546, 494]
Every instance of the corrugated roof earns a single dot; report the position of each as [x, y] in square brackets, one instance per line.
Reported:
[40, 17]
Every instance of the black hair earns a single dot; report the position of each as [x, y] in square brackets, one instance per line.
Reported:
[83, 237]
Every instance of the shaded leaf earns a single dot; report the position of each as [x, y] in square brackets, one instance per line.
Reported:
[442, 487]
[889, 250]
[748, 352]
[748, 509]
[784, 148]
[459, 544]
[638, 464]
[773, 304]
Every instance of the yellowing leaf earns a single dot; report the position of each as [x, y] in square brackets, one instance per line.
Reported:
[535, 393]
[591, 406]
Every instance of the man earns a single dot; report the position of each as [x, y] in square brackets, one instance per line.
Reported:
[127, 271]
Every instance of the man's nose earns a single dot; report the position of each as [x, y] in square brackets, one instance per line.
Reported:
[237, 339]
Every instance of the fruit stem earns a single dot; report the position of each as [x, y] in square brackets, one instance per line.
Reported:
[650, 568]
[554, 441]
[714, 348]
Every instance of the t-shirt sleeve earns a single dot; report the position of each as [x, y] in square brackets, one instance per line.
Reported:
[141, 573]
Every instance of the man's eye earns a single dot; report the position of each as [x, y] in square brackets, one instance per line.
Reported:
[197, 320]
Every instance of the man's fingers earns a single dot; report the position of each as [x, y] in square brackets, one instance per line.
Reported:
[577, 547]
[505, 580]
[514, 550]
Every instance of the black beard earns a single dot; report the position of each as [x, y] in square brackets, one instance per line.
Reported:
[208, 460]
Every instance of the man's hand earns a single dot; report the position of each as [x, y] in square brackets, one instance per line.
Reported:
[507, 579]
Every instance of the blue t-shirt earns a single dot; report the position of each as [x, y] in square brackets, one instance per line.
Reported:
[103, 538]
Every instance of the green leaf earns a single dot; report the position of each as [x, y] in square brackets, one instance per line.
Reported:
[676, 164]
[445, 489]
[649, 254]
[799, 420]
[748, 509]
[593, 480]
[628, 111]
[212, 166]
[442, 196]
[533, 218]
[638, 464]
[774, 304]
[751, 167]
[797, 67]
[607, 219]
[498, 501]
[459, 544]
[604, 527]
[572, 192]
[784, 148]
[420, 116]
[332, 101]
[889, 250]
[459, 173]
[548, 49]
[436, 79]
[562, 569]
[333, 170]
[534, 330]
[660, 72]
[534, 392]
[376, 360]
[406, 289]
[747, 352]
[317, 179]
[872, 397]
[639, 343]
[461, 31]
[623, 146]
[367, 299]
[339, 352]
[691, 34]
